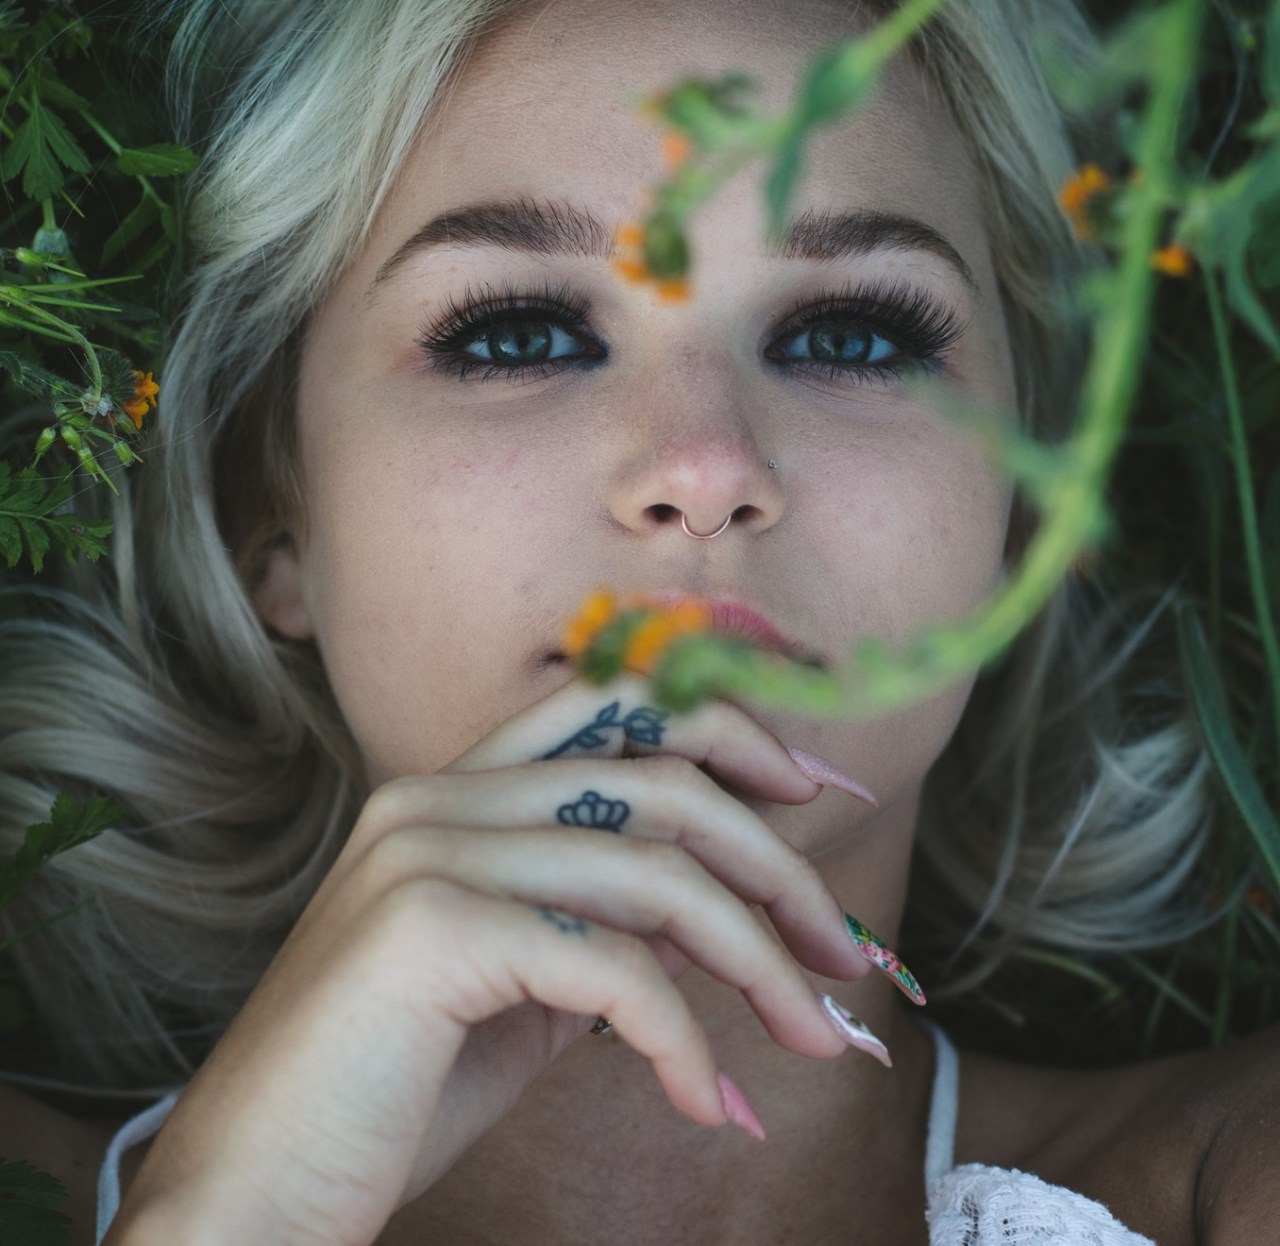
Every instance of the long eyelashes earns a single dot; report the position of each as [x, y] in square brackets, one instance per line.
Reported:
[917, 330]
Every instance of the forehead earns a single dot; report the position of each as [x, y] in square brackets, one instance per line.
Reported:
[546, 107]
[563, 79]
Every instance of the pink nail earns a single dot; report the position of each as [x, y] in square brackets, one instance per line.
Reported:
[854, 1032]
[822, 771]
[737, 1109]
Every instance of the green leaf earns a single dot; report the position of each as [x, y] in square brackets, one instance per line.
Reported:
[1270, 60]
[70, 825]
[37, 539]
[1228, 756]
[28, 1199]
[158, 160]
[10, 542]
[40, 150]
[144, 215]
[35, 380]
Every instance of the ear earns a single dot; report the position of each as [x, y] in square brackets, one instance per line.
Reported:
[278, 596]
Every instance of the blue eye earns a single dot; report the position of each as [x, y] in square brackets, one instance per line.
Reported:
[515, 343]
[841, 342]
[874, 333]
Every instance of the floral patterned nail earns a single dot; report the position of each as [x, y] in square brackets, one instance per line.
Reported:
[855, 1032]
[884, 958]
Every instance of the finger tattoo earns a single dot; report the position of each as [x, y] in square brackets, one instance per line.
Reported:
[642, 725]
[566, 923]
[593, 810]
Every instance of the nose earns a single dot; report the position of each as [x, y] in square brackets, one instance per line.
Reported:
[703, 474]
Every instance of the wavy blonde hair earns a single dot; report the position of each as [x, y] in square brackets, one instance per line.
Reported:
[154, 680]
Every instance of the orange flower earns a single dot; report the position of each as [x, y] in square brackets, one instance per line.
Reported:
[653, 636]
[674, 289]
[144, 398]
[598, 611]
[1175, 260]
[676, 149]
[631, 270]
[1077, 195]
[630, 234]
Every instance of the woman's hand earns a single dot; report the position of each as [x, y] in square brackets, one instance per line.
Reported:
[476, 922]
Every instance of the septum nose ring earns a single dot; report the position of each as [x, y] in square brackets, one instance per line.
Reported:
[704, 536]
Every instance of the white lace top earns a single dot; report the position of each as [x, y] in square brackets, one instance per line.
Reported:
[972, 1205]
[975, 1205]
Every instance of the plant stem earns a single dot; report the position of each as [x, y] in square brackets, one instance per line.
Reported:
[1071, 495]
[1244, 489]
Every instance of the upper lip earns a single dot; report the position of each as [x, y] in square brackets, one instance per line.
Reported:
[730, 617]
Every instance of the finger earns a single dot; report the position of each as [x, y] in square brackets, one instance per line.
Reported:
[644, 887]
[661, 798]
[502, 952]
[620, 719]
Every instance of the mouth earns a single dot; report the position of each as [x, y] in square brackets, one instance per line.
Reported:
[735, 620]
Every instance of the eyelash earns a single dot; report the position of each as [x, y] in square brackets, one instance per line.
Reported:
[922, 330]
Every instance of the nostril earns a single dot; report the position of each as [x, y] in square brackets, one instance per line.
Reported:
[664, 513]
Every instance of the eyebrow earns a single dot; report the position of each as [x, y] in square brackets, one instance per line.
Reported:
[560, 228]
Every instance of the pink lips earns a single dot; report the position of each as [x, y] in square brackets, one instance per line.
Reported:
[732, 618]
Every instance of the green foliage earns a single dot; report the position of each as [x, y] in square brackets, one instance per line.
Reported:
[30, 522]
[70, 825]
[40, 151]
[80, 141]
[1228, 753]
[29, 1200]
[1181, 410]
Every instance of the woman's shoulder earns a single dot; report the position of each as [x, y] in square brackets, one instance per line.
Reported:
[69, 1148]
[1185, 1149]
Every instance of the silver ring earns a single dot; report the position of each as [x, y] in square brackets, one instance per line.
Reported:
[699, 536]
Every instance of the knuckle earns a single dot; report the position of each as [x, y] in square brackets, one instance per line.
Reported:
[394, 802]
[670, 770]
[420, 911]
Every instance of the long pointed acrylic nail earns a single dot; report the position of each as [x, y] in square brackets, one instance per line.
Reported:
[737, 1109]
[855, 1032]
[820, 770]
[884, 958]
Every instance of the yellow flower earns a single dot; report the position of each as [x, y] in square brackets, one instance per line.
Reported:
[144, 398]
[1078, 193]
[1175, 260]
[652, 638]
[597, 612]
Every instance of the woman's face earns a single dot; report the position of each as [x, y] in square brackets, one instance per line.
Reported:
[466, 487]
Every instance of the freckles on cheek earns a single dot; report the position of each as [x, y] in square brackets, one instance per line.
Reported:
[916, 541]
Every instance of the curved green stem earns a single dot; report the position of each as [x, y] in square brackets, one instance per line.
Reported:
[1244, 490]
[13, 296]
[1071, 497]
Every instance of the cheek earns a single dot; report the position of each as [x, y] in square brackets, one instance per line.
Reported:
[423, 568]
[916, 530]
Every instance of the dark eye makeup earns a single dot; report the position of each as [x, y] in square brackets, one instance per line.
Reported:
[867, 333]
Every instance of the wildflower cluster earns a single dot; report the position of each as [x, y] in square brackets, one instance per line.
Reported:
[1093, 203]
[632, 632]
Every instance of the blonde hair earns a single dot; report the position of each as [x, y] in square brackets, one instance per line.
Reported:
[154, 680]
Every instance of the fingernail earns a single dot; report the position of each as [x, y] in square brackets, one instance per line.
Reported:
[854, 1032]
[820, 770]
[737, 1109]
[884, 958]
